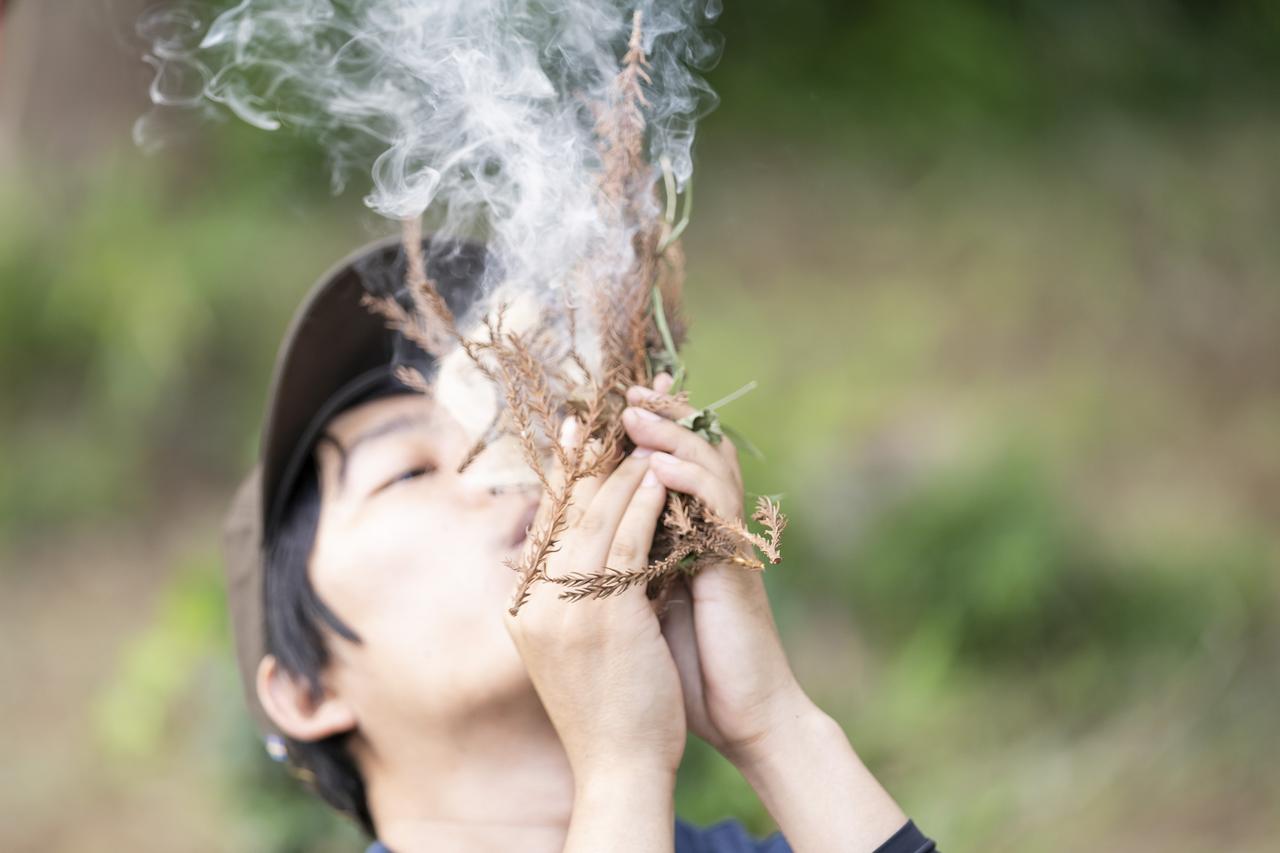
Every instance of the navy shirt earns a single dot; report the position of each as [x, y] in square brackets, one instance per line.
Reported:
[730, 837]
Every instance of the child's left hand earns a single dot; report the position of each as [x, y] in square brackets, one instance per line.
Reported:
[738, 686]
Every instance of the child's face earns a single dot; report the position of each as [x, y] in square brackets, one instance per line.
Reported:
[410, 554]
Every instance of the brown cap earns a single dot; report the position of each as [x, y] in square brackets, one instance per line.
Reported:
[333, 352]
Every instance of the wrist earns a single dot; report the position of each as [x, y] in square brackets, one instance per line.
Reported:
[639, 778]
[625, 808]
[797, 726]
[636, 790]
[811, 780]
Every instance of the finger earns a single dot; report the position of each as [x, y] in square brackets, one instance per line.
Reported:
[570, 438]
[648, 429]
[672, 409]
[638, 395]
[629, 550]
[680, 475]
[584, 490]
[679, 632]
[595, 527]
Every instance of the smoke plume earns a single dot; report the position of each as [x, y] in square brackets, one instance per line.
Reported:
[542, 130]
[478, 113]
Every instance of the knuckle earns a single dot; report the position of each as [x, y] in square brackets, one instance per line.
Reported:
[634, 463]
[686, 439]
[624, 550]
[590, 523]
[677, 477]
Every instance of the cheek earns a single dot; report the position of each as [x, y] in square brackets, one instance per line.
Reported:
[425, 559]
[426, 592]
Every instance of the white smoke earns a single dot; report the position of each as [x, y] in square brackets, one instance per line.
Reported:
[476, 112]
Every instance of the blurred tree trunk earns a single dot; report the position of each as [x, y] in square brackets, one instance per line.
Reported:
[72, 81]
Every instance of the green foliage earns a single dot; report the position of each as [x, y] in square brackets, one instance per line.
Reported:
[175, 695]
[710, 789]
[135, 319]
[157, 669]
[282, 816]
[917, 68]
[995, 568]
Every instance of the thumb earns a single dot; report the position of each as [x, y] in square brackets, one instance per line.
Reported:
[678, 630]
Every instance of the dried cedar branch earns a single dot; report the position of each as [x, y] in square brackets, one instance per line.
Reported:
[540, 380]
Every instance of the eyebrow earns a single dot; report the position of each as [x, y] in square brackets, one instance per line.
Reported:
[397, 424]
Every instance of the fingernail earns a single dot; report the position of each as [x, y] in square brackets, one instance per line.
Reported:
[642, 452]
[664, 458]
[650, 478]
[644, 414]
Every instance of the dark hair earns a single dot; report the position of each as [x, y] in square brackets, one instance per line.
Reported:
[296, 622]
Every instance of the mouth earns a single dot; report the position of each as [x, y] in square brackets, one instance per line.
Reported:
[521, 533]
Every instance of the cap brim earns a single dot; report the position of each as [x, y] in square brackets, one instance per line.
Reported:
[333, 341]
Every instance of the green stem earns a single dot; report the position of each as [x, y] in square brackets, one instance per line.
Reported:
[660, 317]
[669, 184]
[750, 386]
[675, 233]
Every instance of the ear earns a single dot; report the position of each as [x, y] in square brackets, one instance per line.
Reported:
[290, 705]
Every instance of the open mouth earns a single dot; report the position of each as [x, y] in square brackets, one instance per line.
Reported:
[521, 532]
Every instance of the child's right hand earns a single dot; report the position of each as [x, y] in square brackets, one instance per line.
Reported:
[601, 667]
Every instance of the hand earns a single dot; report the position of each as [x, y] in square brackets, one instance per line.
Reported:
[738, 686]
[601, 666]
[740, 694]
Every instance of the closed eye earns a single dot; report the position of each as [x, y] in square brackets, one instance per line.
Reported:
[410, 474]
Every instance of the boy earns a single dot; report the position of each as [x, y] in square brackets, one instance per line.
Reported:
[369, 599]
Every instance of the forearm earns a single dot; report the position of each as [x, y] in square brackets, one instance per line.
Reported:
[623, 810]
[811, 780]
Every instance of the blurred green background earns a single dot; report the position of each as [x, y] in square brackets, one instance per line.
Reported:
[1008, 274]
